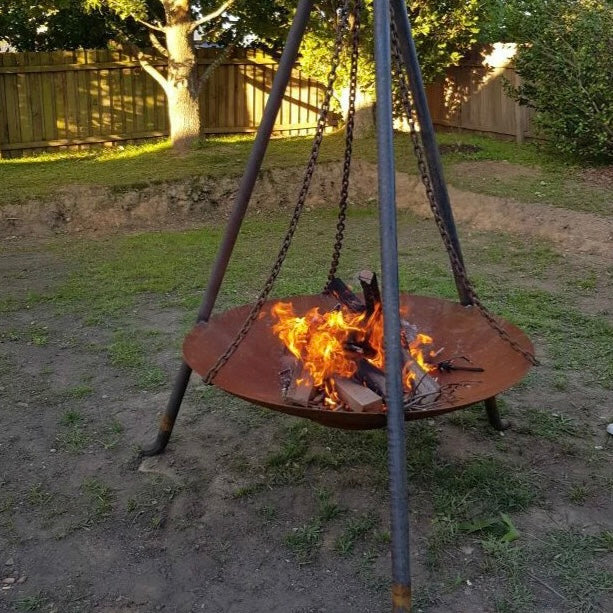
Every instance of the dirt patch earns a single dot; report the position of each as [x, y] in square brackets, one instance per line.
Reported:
[600, 177]
[190, 202]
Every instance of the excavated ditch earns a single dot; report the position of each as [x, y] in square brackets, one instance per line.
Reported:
[188, 202]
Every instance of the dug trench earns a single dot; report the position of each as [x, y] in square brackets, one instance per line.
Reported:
[189, 202]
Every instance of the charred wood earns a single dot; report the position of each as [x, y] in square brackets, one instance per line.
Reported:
[345, 296]
[372, 376]
[370, 287]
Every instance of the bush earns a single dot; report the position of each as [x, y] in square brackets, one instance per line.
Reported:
[566, 62]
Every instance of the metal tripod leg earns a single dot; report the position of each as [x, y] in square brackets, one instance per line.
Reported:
[396, 445]
[493, 415]
[428, 136]
[277, 91]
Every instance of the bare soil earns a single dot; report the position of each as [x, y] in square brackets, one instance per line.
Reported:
[88, 526]
[88, 210]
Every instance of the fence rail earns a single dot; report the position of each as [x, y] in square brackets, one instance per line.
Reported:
[78, 98]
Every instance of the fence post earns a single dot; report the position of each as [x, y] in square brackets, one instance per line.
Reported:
[520, 114]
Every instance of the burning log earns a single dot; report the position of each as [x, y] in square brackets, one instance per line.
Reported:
[301, 388]
[345, 296]
[296, 383]
[357, 397]
[370, 287]
[421, 384]
[372, 376]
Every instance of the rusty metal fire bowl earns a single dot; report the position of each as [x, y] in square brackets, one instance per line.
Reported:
[252, 373]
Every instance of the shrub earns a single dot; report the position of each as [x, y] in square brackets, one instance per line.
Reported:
[566, 62]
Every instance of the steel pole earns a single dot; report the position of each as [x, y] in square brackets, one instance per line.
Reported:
[428, 137]
[401, 576]
[254, 163]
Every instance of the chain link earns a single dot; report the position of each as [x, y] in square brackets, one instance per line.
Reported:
[353, 81]
[306, 183]
[457, 265]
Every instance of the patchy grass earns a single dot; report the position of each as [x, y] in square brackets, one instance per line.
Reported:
[130, 351]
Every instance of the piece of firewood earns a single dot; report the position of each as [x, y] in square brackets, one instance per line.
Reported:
[301, 388]
[408, 332]
[345, 296]
[370, 287]
[357, 397]
[372, 376]
[422, 385]
[286, 372]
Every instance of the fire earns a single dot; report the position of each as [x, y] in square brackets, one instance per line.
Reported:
[328, 344]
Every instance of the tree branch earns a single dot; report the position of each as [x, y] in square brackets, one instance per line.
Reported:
[214, 65]
[211, 16]
[157, 45]
[149, 25]
[152, 71]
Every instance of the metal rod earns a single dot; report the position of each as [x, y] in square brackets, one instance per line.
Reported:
[254, 163]
[431, 152]
[401, 576]
[493, 415]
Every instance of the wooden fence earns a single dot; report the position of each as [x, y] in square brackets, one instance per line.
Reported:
[78, 98]
[74, 99]
[472, 96]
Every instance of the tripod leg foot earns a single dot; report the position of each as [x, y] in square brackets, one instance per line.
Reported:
[493, 415]
[170, 415]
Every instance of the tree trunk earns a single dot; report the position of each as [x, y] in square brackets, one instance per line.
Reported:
[182, 79]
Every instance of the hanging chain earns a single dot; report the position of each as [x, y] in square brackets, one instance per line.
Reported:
[457, 265]
[353, 81]
[306, 183]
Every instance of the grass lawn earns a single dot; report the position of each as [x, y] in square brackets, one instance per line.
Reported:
[535, 177]
[90, 341]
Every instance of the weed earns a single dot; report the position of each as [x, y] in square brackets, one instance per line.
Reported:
[38, 497]
[268, 512]
[78, 391]
[74, 440]
[355, 529]
[71, 418]
[39, 335]
[100, 497]
[305, 541]
[112, 435]
[248, 490]
[327, 509]
[31, 603]
[578, 494]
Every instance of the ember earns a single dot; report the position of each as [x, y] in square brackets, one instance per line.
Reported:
[338, 355]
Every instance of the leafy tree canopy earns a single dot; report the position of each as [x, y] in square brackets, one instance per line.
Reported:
[443, 30]
[48, 25]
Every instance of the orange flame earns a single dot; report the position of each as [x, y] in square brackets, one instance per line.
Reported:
[321, 341]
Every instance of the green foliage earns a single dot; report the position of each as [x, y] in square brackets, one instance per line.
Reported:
[566, 61]
[443, 29]
[61, 24]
